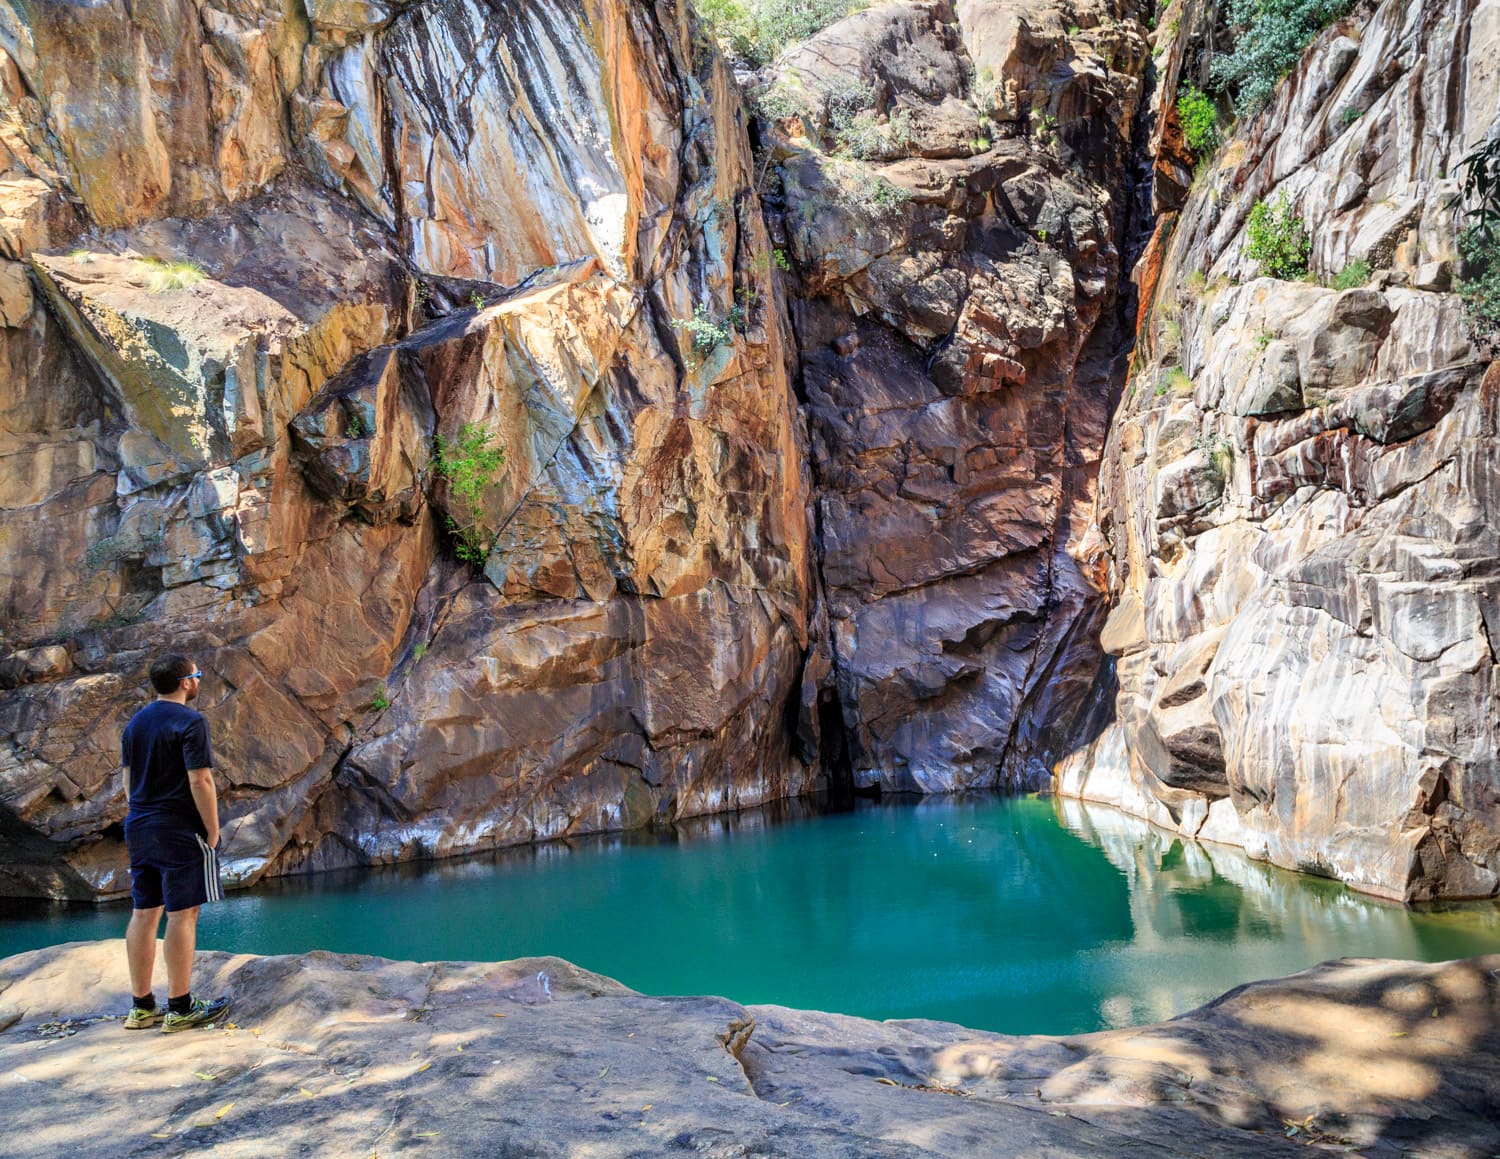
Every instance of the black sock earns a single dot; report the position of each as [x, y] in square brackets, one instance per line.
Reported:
[181, 1004]
[144, 1002]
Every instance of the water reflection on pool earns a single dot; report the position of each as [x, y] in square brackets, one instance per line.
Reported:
[1206, 917]
[1012, 914]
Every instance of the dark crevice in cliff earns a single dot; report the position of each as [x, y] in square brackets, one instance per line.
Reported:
[834, 749]
[1067, 708]
[1084, 716]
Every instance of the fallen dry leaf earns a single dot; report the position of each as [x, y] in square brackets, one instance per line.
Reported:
[224, 1110]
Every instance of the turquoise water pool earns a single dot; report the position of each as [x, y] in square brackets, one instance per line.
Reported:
[1013, 914]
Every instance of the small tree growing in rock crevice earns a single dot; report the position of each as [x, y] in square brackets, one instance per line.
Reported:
[1199, 118]
[470, 465]
[1278, 240]
[1479, 244]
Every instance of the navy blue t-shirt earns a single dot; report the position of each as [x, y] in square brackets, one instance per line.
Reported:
[160, 744]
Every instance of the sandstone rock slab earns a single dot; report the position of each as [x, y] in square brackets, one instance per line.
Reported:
[536, 1056]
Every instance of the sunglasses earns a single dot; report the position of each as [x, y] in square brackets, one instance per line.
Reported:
[193, 676]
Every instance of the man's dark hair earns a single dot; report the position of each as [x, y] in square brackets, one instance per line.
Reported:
[167, 672]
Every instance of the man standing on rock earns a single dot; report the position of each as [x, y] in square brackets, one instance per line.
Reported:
[172, 833]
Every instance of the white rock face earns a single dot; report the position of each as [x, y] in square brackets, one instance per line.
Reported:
[1302, 489]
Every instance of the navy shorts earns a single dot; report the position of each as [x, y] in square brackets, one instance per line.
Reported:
[172, 867]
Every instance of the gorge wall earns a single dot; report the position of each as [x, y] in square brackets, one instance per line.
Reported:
[263, 260]
[1300, 490]
[958, 248]
[256, 258]
[809, 473]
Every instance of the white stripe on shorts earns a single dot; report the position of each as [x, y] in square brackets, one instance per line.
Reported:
[211, 889]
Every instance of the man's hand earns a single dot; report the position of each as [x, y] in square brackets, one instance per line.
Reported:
[206, 797]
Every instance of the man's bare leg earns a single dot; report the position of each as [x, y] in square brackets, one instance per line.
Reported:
[140, 948]
[177, 949]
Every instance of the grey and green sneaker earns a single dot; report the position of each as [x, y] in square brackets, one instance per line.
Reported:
[141, 1018]
[202, 1014]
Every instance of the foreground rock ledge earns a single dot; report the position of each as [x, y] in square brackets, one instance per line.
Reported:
[334, 1054]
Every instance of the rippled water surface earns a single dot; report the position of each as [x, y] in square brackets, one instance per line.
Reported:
[1017, 914]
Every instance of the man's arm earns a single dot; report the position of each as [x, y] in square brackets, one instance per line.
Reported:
[206, 797]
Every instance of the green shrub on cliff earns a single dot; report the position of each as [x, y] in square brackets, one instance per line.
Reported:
[859, 190]
[1199, 118]
[1277, 240]
[1480, 286]
[867, 139]
[849, 118]
[1352, 276]
[777, 102]
[1479, 243]
[708, 332]
[758, 30]
[470, 465]
[1269, 38]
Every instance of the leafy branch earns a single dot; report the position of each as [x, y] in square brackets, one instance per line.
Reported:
[1478, 244]
[471, 466]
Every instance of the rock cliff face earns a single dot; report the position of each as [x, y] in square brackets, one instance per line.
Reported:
[257, 257]
[429, 373]
[951, 191]
[260, 261]
[1302, 488]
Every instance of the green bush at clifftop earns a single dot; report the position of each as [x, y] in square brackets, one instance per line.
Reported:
[759, 29]
[1270, 37]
